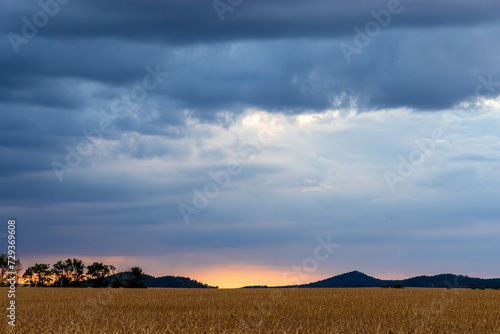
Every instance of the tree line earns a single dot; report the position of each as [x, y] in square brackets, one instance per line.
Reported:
[73, 273]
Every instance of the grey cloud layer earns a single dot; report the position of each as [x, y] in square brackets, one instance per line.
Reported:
[188, 22]
[287, 53]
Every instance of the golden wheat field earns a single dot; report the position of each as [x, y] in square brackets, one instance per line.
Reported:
[359, 310]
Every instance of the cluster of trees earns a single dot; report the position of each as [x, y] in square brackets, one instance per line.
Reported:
[6, 268]
[74, 273]
[395, 286]
[497, 287]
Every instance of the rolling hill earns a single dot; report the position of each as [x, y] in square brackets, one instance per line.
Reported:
[162, 282]
[174, 282]
[358, 279]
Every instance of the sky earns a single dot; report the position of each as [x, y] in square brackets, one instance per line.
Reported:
[258, 142]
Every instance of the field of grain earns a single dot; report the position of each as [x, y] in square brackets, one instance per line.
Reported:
[360, 310]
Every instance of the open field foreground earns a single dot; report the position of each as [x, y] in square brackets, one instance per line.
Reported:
[360, 310]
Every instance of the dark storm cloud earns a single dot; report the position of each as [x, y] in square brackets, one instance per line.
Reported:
[289, 58]
[198, 21]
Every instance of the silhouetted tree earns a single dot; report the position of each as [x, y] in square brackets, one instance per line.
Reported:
[98, 271]
[118, 281]
[4, 268]
[69, 272]
[77, 271]
[61, 273]
[136, 278]
[38, 275]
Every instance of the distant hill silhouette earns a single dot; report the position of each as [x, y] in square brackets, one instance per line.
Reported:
[358, 279]
[175, 282]
[451, 281]
[164, 281]
[347, 280]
